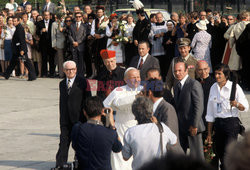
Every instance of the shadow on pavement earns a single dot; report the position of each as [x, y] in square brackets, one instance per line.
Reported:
[40, 134]
[38, 165]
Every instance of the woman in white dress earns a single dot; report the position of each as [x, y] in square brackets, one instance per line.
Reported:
[112, 30]
[202, 43]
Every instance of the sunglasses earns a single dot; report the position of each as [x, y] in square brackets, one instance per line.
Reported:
[67, 20]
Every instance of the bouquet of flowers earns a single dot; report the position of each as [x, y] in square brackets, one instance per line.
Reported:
[103, 25]
[4, 29]
[208, 151]
[122, 37]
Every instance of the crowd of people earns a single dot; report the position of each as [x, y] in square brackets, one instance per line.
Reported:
[166, 83]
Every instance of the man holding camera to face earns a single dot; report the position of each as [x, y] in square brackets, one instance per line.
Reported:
[92, 141]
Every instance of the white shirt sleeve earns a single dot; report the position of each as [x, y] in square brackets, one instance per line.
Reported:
[210, 111]
[92, 32]
[241, 98]
[108, 32]
[172, 138]
[126, 150]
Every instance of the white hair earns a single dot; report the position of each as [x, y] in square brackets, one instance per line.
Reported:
[68, 62]
[128, 69]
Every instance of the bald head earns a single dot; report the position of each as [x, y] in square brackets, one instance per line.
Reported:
[202, 69]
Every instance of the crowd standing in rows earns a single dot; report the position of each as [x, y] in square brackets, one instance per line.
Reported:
[156, 76]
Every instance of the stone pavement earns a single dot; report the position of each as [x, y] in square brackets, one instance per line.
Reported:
[29, 123]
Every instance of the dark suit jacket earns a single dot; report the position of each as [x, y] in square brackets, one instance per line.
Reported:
[52, 8]
[45, 37]
[151, 62]
[78, 36]
[18, 41]
[189, 106]
[166, 113]
[71, 105]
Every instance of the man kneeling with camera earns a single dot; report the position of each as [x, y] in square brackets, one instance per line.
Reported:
[92, 141]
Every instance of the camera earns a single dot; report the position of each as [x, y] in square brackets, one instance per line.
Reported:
[107, 122]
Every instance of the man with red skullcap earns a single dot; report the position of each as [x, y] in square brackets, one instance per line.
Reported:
[112, 76]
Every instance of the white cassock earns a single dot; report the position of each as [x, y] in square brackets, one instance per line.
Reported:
[120, 100]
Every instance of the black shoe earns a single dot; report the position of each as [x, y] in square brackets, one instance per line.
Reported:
[31, 79]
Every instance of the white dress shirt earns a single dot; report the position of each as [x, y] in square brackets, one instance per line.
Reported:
[156, 104]
[71, 81]
[143, 143]
[142, 58]
[183, 81]
[46, 22]
[221, 98]
[9, 33]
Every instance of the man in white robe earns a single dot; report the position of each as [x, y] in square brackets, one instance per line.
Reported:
[121, 99]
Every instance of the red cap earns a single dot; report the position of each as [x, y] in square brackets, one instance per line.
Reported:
[106, 54]
[112, 16]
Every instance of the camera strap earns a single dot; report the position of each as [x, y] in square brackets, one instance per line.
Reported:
[95, 122]
[159, 125]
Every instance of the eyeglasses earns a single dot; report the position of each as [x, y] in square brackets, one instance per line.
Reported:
[78, 16]
[67, 20]
[71, 69]
[230, 19]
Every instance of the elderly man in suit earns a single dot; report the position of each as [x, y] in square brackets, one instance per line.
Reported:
[43, 30]
[188, 97]
[77, 38]
[49, 6]
[184, 49]
[73, 92]
[58, 41]
[144, 61]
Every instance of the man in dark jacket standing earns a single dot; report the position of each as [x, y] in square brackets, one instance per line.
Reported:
[19, 49]
[73, 92]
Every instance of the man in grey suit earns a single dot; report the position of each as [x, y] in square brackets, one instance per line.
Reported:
[188, 97]
[58, 41]
[145, 60]
[77, 39]
[49, 6]
[162, 110]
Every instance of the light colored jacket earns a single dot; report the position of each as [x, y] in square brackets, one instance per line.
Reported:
[57, 37]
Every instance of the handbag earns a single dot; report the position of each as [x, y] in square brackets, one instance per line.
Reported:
[242, 128]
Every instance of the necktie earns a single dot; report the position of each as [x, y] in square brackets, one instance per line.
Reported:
[141, 63]
[69, 87]
[178, 90]
[77, 26]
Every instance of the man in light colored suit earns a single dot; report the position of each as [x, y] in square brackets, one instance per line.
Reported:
[58, 40]
[77, 38]
[49, 6]
[144, 61]
[188, 97]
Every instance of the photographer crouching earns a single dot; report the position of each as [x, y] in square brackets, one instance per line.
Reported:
[93, 141]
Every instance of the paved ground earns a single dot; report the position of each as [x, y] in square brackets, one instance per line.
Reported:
[29, 124]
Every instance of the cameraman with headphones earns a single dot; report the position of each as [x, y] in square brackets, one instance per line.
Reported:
[92, 141]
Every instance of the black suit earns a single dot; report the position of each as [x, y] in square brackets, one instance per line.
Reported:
[151, 62]
[45, 45]
[189, 108]
[18, 44]
[71, 111]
